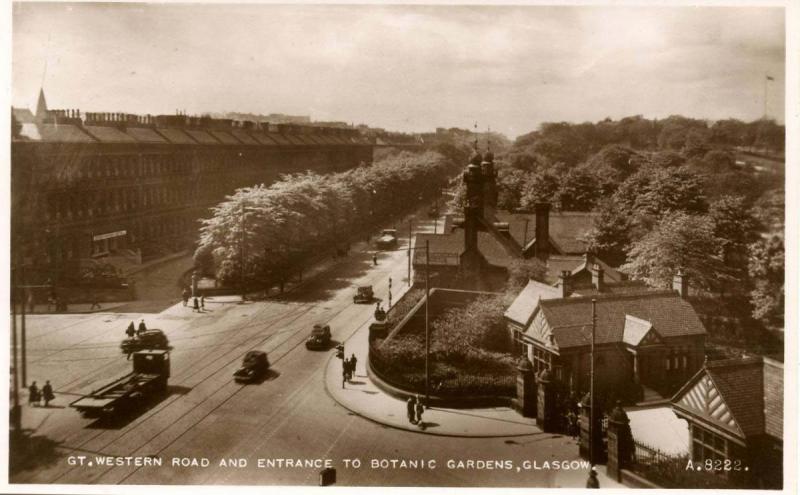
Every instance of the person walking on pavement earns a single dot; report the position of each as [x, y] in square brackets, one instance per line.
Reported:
[344, 372]
[353, 362]
[33, 395]
[47, 392]
[410, 412]
[185, 296]
[203, 302]
[593, 482]
[130, 331]
[418, 410]
[196, 306]
[95, 302]
[142, 328]
[375, 259]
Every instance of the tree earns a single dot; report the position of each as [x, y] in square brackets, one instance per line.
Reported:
[766, 268]
[472, 330]
[538, 188]
[510, 182]
[679, 241]
[578, 190]
[610, 235]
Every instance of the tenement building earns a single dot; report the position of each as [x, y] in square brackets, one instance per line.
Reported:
[126, 188]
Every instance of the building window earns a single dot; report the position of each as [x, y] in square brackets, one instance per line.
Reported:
[707, 445]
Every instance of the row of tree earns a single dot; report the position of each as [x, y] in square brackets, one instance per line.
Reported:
[263, 234]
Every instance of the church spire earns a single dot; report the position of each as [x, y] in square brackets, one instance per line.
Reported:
[41, 106]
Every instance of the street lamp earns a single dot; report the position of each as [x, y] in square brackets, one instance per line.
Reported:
[591, 385]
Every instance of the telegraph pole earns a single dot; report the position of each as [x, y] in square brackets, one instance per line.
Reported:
[427, 329]
[22, 327]
[591, 386]
[241, 255]
[409, 253]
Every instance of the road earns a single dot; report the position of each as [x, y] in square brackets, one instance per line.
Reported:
[207, 415]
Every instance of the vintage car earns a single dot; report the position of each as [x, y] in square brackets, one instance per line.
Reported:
[254, 366]
[387, 240]
[364, 295]
[320, 337]
[149, 339]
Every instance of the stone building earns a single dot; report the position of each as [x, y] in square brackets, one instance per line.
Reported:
[129, 188]
[648, 342]
[735, 413]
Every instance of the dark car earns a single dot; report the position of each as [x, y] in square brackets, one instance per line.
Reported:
[364, 295]
[254, 366]
[149, 339]
[320, 337]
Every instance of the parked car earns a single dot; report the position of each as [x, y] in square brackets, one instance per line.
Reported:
[387, 240]
[320, 337]
[149, 339]
[254, 366]
[364, 295]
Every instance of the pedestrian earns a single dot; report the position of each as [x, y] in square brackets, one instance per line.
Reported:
[196, 305]
[410, 411]
[593, 482]
[33, 394]
[344, 373]
[203, 302]
[375, 259]
[130, 331]
[47, 391]
[418, 410]
[353, 362]
[571, 424]
[142, 328]
[185, 296]
[95, 302]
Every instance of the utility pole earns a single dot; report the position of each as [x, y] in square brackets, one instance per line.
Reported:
[591, 386]
[427, 329]
[409, 253]
[241, 254]
[22, 327]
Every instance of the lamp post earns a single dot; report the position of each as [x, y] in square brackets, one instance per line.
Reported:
[241, 254]
[427, 329]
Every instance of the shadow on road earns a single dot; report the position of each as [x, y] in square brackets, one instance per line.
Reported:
[27, 451]
[323, 286]
[124, 417]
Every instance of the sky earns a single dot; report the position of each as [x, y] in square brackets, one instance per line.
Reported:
[405, 68]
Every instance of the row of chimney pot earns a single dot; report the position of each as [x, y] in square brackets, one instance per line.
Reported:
[182, 120]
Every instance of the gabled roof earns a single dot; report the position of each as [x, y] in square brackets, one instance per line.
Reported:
[175, 136]
[145, 135]
[223, 137]
[55, 133]
[108, 134]
[730, 394]
[243, 136]
[567, 229]
[637, 331]
[201, 137]
[522, 309]
[570, 318]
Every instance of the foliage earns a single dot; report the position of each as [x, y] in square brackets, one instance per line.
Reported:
[736, 228]
[471, 330]
[540, 187]
[264, 232]
[766, 267]
[679, 241]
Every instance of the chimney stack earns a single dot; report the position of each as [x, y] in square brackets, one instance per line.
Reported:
[563, 282]
[542, 211]
[598, 277]
[680, 283]
[473, 208]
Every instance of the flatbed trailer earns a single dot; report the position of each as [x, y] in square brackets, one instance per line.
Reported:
[148, 378]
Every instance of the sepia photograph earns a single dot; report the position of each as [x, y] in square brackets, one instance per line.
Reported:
[377, 245]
